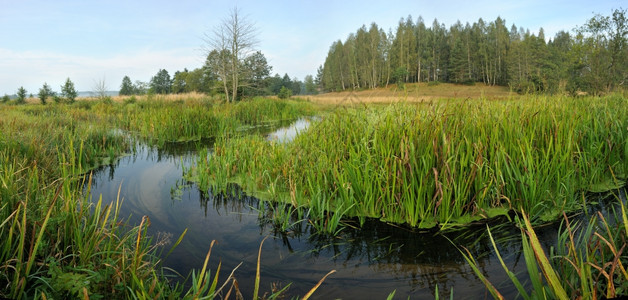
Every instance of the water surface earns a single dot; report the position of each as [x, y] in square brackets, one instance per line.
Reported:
[371, 262]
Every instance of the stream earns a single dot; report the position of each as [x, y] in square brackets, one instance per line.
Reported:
[370, 262]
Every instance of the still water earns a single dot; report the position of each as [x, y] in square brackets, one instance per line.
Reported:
[370, 262]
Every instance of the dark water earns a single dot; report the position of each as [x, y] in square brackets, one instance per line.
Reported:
[371, 262]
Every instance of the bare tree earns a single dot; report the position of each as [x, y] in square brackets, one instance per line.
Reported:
[232, 41]
[100, 88]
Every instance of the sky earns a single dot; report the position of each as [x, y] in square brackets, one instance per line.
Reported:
[43, 41]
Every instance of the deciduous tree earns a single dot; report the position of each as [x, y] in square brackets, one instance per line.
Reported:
[310, 85]
[179, 81]
[256, 70]
[229, 44]
[100, 88]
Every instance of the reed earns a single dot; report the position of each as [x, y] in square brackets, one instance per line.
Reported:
[56, 242]
[53, 244]
[444, 163]
[588, 262]
[162, 120]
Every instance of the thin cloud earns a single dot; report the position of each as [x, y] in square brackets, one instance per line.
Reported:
[32, 68]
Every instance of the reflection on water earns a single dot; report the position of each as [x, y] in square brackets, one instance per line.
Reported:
[371, 261]
[288, 133]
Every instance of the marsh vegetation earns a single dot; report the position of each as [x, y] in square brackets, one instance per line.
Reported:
[420, 142]
[444, 163]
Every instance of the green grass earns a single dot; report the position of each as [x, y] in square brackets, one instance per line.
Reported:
[587, 263]
[444, 163]
[56, 242]
[159, 121]
[441, 163]
[53, 245]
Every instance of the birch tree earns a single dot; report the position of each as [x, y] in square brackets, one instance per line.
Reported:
[230, 43]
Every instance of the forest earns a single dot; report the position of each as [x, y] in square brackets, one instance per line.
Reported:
[592, 59]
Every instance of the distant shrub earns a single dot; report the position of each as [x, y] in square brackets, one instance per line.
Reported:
[468, 82]
[284, 93]
[84, 104]
[150, 95]
[433, 83]
[523, 87]
[399, 76]
[107, 100]
[130, 100]
[5, 98]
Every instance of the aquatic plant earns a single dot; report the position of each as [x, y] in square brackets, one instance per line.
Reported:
[588, 262]
[159, 120]
[58, 242]
[443, 163]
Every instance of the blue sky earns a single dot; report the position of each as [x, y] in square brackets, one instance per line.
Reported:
[88, 41]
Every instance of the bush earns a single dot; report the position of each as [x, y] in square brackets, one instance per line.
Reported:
[85, 104]
[5, 98]
[130, 100]
[106, 100]
[399, 76]
[284, 93]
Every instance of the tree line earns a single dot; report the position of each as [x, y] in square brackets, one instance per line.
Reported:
[593, 59]
[232, 68]
[203, 80]
[68, 94]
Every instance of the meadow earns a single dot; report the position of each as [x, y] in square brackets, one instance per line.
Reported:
[415, 92]
[434, 163]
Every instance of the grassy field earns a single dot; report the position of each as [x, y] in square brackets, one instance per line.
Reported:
[415, 92]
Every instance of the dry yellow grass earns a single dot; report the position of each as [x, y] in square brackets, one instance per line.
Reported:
[416, 92]
[168, 97]
[413, 92]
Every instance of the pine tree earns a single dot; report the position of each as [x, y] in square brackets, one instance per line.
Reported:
[21, 96]
[126, 88]
[161, 83]
[68, 91]
[44, 93]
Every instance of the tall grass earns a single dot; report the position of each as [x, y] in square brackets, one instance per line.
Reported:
[56, 242]
[442, 163]
[162, 121]
[587, 263]
[52, 244]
